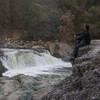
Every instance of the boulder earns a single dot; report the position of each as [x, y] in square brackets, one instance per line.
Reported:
[21, 94]
[38, 47]
[2, 68]
[84, 83]
[60, 50]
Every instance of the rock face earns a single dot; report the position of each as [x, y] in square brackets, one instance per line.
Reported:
[84, 83]
[60, 50]
[56, 48]
[2, 68]
[12, 89]
[22, 87]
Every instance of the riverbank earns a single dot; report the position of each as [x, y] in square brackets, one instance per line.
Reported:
[84, 83]
[32, 73]
[56, 48]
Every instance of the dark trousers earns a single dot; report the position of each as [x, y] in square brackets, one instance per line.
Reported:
[77, 46]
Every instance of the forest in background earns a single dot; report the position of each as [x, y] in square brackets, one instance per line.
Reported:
[40, 19]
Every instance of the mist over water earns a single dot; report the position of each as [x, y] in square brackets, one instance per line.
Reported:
[30, 62]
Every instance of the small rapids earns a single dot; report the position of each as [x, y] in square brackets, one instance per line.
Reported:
[30, 62]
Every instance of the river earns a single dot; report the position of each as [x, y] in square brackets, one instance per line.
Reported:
[40, 66]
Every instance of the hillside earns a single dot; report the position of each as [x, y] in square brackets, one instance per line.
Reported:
[40, 19]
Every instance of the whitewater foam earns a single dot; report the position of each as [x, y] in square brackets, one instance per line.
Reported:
[30, 62]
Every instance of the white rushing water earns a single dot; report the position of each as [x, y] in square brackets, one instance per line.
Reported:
[30, 62]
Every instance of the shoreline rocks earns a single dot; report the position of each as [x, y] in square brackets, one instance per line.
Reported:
[84, 83]
[2, 68]
[56, 48]
[33, 88]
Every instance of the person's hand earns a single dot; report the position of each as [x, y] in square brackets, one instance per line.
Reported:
[74, 36]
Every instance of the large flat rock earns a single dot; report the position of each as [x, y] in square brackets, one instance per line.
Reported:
[84, 83]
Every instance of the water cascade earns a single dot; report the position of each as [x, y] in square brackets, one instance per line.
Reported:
[30, 62]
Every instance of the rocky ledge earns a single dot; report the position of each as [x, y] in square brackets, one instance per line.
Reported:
[56, 48]
[84, 83]
[22, 87]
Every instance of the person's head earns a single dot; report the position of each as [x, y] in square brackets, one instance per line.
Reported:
[86, 27]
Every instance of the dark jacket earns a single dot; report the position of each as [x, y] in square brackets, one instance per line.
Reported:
[85, 35]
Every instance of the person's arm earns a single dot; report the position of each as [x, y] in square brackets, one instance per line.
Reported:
[81, 36]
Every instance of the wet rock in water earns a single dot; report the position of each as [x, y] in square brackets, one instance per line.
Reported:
[28, 45]
[84, 83]
[22, 87]
[60, 50]
[38, 47]
[2, 68]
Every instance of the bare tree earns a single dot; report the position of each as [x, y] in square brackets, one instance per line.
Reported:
[67, 29]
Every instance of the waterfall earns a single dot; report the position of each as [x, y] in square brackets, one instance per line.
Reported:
[30, 62]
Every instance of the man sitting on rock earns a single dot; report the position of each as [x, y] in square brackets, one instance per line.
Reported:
[82, 39]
